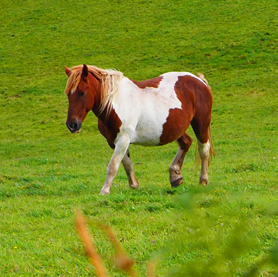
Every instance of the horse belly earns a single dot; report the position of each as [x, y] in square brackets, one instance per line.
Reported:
[147, 133]
[149, 128]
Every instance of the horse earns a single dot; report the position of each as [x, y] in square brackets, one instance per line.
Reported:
[152, 112]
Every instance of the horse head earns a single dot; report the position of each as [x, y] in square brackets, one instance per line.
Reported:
[82, 92]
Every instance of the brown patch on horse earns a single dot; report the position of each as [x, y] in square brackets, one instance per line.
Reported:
[190, 92]
[179, 119]
[109, 126]
[151, 83]
[174, 127]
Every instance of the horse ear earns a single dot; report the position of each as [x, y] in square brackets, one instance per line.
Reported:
[85, 71]
[68, 72]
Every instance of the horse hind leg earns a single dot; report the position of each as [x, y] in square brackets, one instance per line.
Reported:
[176, 178]
[128, 166]
[205, 148]
[204, 151]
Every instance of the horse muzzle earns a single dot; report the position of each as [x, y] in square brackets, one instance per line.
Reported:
[74, 126]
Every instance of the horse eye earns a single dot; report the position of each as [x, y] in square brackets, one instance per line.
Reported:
[81, 93]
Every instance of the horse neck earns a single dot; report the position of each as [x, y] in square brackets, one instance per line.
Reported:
[103, 113]
[95, 86]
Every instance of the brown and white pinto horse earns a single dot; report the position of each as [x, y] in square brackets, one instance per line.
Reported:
[151, 112]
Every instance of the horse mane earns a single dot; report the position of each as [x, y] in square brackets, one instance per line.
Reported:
[109, 80]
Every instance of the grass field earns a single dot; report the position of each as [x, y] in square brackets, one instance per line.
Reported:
[225, 229]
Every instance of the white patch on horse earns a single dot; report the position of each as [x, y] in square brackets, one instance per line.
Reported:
[143, 112]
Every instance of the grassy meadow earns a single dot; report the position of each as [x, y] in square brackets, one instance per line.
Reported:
[225, 229]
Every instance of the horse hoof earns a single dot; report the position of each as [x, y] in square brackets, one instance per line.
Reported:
[104, 192]
[203, 182]
[134, 186]
[176, 183]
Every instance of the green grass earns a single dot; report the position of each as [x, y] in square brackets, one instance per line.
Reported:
[227, 228]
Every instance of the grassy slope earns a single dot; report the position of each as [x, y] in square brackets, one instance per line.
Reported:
[45, 172]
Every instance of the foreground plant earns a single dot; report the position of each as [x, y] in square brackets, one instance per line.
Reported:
[122, 261]
[216, 249]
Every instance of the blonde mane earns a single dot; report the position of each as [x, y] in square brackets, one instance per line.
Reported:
[109, 80]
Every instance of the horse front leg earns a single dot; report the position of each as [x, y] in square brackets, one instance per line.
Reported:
[176, 178]
[127, 163]
[121, 147]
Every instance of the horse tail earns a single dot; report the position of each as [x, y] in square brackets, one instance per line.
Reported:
[202, 77]
[211, 149]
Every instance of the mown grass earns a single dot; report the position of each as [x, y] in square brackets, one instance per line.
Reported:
[46, 172]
